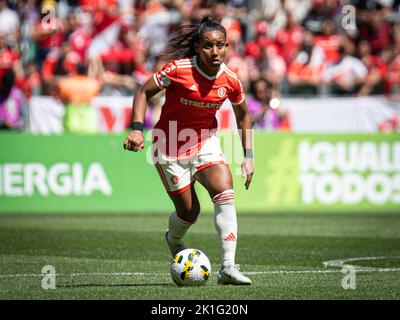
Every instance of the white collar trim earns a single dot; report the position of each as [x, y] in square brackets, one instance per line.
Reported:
[221, 70]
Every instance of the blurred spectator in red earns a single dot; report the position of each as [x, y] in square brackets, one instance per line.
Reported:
[275, 70]
[255, 50]
[98, 4]
[346, 76]
[329, 41]
[122, 67]
[223, 12]
[8, 56]
[304, 74]
[31, 85]
[290, 43]
[233, 30]
[59, 62]
[238, 64]
[195, 10]
[263, 56]
[79, 40]
[120, 58]
[48, 32]
[12, 103]
[374, 29]
[156, 22]
[390, 125]
[376, 70]
[289, 39]
[393, 77]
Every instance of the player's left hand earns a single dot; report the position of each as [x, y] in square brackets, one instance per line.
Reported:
[247, 171]
[134, 141]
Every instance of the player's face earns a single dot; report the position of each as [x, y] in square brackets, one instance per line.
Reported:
[211, 50]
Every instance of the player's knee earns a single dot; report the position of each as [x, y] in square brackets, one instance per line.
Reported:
[226, 196]
[191, 212]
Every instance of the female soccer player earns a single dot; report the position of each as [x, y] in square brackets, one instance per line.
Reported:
[185, 147]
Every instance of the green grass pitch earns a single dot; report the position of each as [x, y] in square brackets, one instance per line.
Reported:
[125, 257]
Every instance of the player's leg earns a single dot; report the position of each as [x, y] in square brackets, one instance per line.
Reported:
[217, 180]
[187, 208]
[179, 184]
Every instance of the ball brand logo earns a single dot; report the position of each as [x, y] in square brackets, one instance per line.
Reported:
[221, 92]
[174, 179]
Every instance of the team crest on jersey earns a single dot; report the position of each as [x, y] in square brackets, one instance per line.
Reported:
[221, 92]
[174, 180]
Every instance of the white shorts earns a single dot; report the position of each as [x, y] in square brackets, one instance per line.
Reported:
[178, 175]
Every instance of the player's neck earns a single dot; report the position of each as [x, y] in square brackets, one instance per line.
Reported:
[207, 71]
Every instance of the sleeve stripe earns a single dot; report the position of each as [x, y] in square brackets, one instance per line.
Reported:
[237, 103]
[230, 72]
[156, 82]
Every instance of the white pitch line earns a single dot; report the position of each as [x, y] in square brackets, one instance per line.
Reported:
[320, 271]
[289, 271]
[166, 274]
[82, 274]
[343, 263]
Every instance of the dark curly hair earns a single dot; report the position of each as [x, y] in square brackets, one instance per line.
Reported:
[181, 44]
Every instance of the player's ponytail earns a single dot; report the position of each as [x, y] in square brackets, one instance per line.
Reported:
[181, 44]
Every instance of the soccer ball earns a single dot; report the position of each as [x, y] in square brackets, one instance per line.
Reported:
[190, 267]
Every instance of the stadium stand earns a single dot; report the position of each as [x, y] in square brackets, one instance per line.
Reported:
[301, 47]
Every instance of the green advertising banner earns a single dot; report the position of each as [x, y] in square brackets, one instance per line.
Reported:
[321, 172]
[293, 173]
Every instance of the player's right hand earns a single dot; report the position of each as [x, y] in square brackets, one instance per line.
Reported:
[134, 141]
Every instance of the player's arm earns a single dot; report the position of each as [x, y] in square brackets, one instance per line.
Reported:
[135, 140]
[243, 120]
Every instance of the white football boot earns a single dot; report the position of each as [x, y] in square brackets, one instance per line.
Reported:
[232, 275]
[174, 249]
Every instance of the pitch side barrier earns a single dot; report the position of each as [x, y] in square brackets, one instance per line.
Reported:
[293, 173]
[47, 115]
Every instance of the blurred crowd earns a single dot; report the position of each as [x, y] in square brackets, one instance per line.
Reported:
[77, 49]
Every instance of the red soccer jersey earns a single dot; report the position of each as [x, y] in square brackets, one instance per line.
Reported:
[192, 99]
